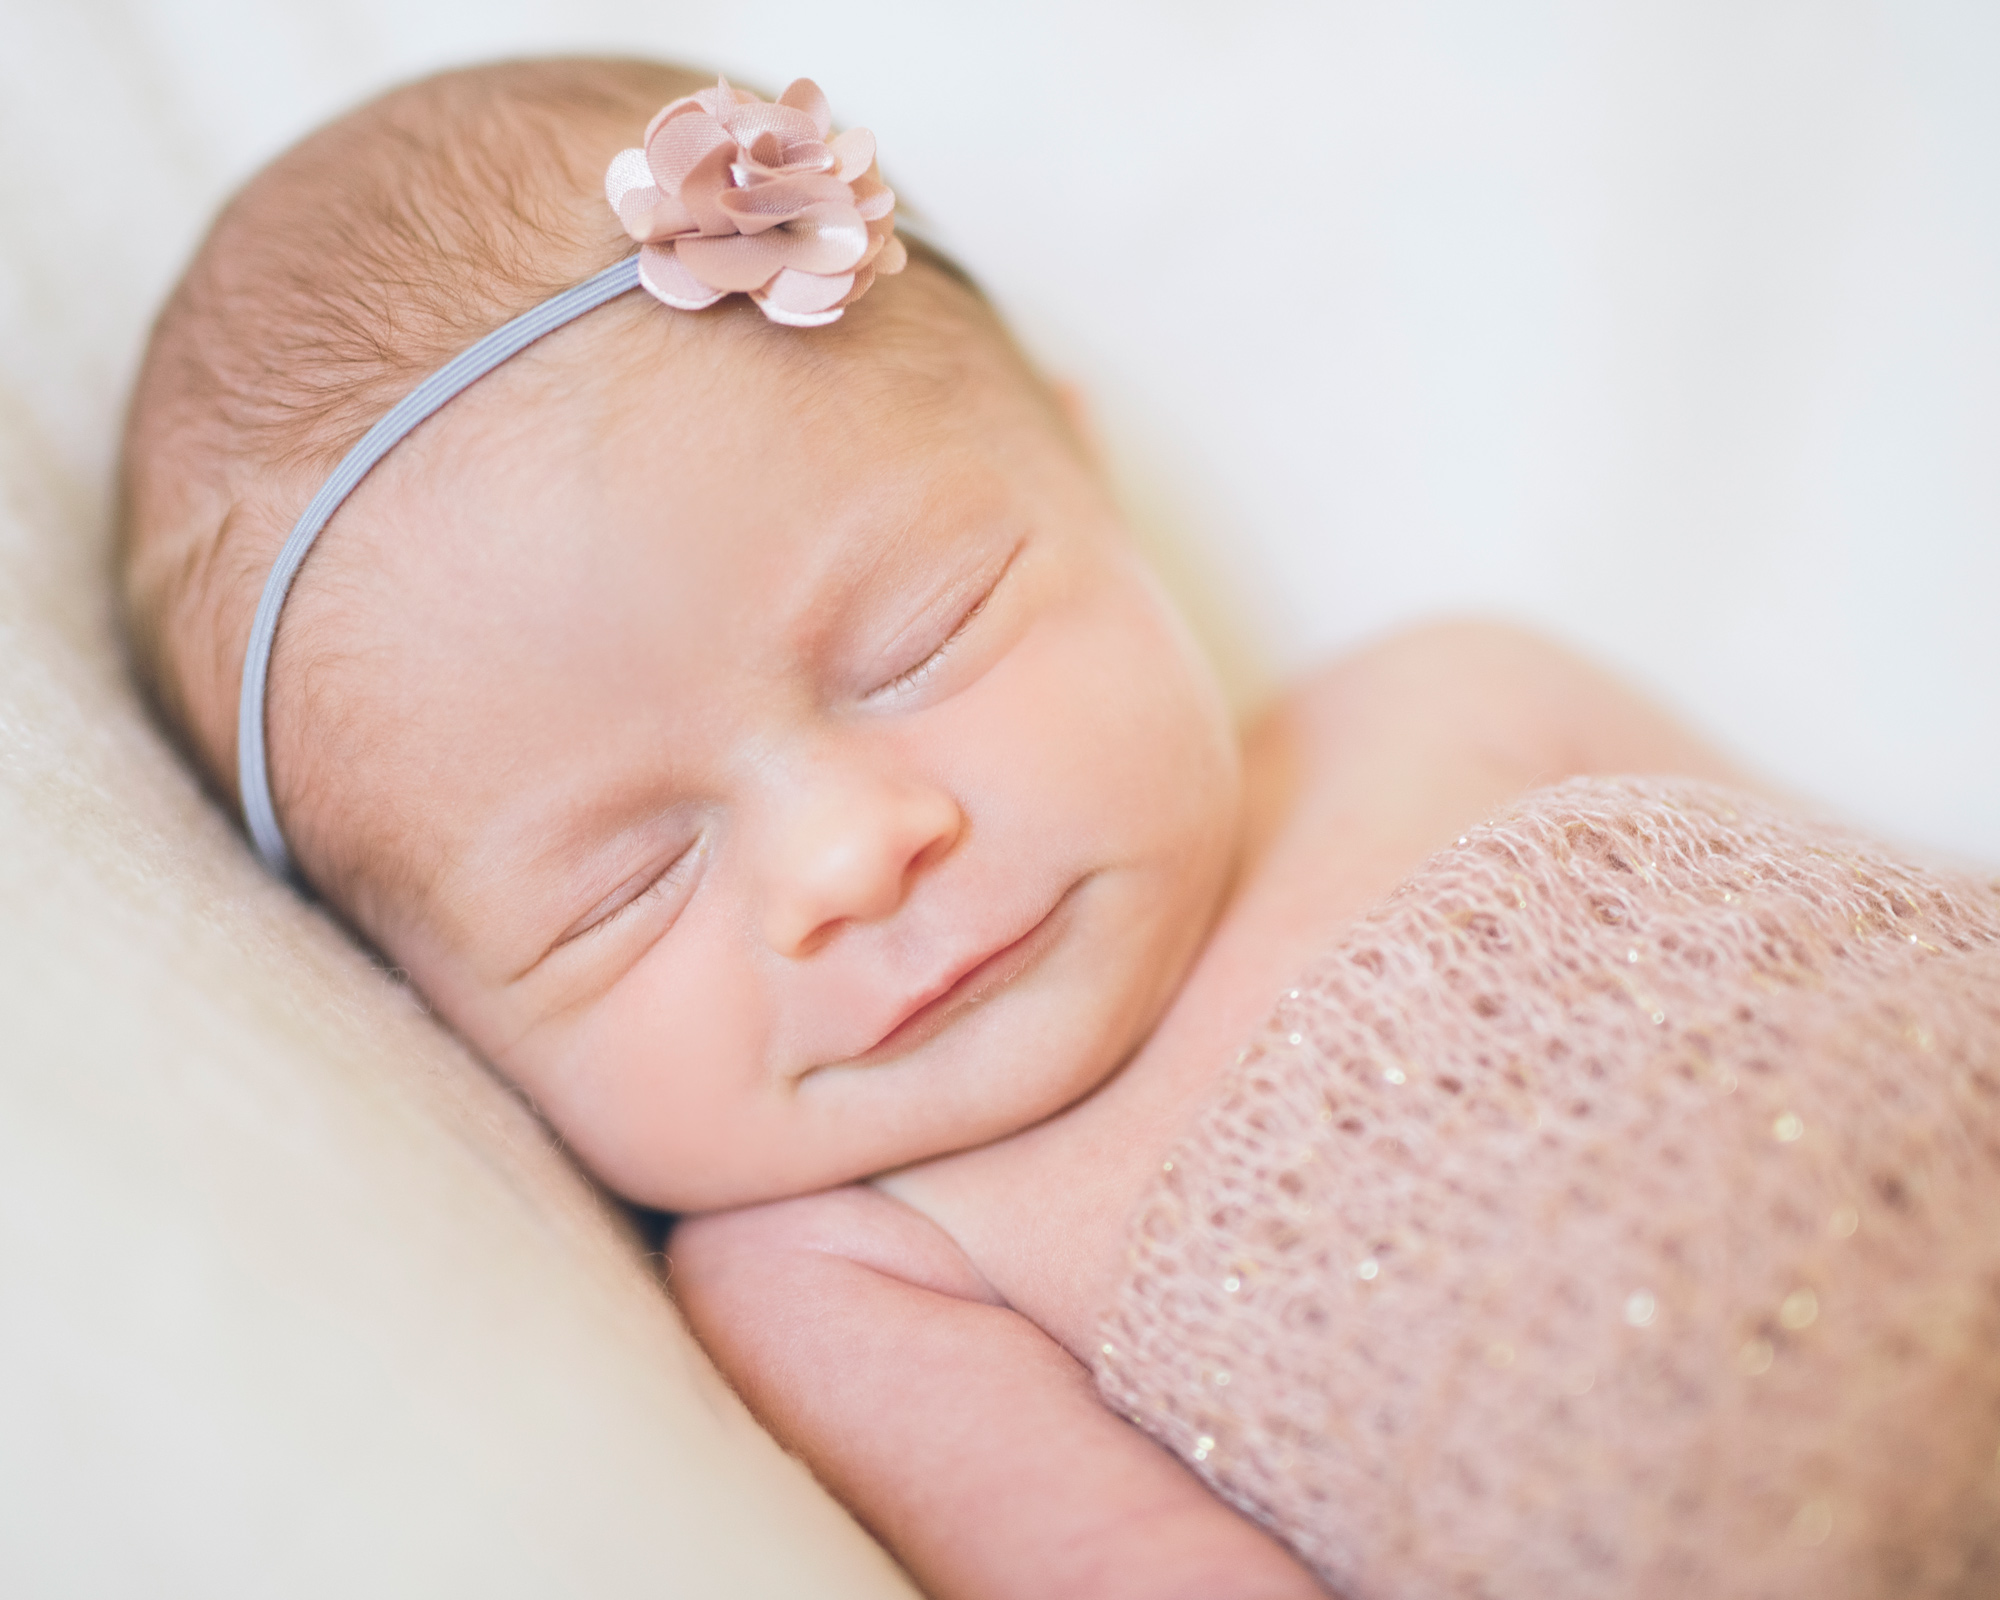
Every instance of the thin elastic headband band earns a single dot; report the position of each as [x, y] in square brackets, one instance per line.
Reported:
[253, 770]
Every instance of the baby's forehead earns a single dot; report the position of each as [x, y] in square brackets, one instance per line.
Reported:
[701, 435]
[651, 451]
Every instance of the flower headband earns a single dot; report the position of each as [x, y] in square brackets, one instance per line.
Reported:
[733, 195]
[730, 194]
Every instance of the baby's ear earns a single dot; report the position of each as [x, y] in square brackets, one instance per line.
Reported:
[1076, 410]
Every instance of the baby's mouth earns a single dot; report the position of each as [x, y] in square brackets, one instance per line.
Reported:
[931, 1016]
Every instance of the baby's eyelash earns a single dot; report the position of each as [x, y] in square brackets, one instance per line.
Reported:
[905, 681]
[924, 668]
[652, 890]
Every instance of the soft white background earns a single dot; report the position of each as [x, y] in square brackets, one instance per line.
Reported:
[1670, 327]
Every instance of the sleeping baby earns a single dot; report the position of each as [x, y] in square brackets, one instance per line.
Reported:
[1453, 1138]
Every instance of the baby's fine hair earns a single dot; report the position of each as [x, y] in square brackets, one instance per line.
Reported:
[355, 264]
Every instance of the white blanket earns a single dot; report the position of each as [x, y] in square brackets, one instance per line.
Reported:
[1670, 326]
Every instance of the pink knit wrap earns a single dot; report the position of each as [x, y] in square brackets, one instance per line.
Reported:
[1614, 1211]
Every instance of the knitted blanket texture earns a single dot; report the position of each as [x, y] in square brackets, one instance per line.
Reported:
[1615, 1210]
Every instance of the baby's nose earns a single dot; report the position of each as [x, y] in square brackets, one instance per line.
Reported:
[849, 846]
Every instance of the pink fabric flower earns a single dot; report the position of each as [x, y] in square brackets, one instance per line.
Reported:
[733, 194]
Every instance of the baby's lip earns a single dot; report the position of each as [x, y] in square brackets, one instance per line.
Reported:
[937, 1007]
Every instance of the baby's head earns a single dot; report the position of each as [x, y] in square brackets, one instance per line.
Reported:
[762, 743]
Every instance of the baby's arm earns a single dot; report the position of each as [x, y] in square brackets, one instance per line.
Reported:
[968, 1440]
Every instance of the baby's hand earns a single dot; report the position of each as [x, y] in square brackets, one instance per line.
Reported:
[968, 1440]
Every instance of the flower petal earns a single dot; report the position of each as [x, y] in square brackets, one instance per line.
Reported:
[796, 319]
[644, 212]
[650, 216]
[665, 278]
[722, 99]
[873, 198]
[667, 112]
[681, 146]
[703, 188]
[828, 236]
[795, 160]
[805, 293]
[893, 257]
[804, 95]
[628, 171]
[765, 205]
[749, 123]
[854, 151]
[736, 262]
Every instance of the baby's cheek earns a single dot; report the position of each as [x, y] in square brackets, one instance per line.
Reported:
[1152, 737]
[657, 1086]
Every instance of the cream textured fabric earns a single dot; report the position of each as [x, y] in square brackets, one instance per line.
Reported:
[1615, 1210]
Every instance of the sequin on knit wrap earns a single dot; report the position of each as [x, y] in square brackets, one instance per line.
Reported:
[1614, 1211]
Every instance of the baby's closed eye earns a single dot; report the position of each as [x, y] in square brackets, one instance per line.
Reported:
[645, 889]
[911, 677]
[933, 639]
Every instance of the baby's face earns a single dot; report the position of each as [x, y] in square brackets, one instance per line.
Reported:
[793, 777]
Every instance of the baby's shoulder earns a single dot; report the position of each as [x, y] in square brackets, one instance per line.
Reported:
[1461, 690]
[1451, 673]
